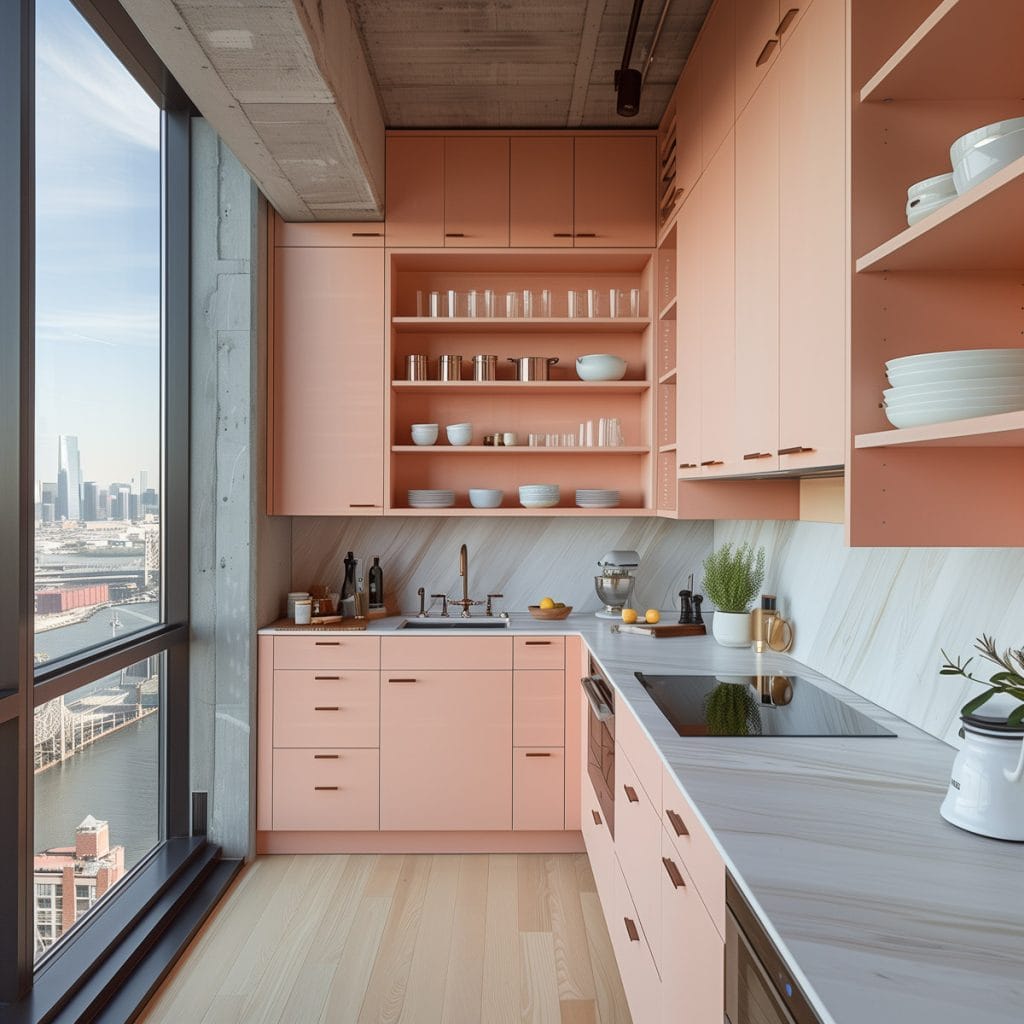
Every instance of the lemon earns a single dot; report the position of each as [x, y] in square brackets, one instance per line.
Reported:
[628, 616]
[652, 615]
[547, 602]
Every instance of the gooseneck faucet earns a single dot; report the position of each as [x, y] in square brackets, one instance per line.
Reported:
[465, 602]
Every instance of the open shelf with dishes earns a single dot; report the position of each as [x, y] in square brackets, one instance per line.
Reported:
[566, 415]
[937, 447]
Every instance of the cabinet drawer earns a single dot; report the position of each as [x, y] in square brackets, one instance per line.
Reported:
[636, 966]
[329, 235]
[540, 652]
[538, 708]
[538, 788]
[326, 709]
[638, 847]
[599, 844]
[645, 760]
[326, 790]
[425, 653]
[314, 652]
[695, 849]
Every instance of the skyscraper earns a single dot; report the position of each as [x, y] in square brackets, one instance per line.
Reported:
[69, 478]
[90, 503]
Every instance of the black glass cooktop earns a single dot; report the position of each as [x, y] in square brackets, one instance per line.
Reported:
[728, 705]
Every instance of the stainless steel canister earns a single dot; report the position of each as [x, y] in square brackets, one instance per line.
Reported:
[451, 368]
[416, 368]
[533, 367]
[485, 367]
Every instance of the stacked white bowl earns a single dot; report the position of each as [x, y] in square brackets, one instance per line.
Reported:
[431, 499]
[980, 153]
[936, 387]
[459, 433]
[594, 497]
[928, 196]
[424, 433]
[539, 495]
[485, 497]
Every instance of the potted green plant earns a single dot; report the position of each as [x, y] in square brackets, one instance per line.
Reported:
[732, 581]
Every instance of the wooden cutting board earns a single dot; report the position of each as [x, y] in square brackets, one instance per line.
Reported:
[661, 629]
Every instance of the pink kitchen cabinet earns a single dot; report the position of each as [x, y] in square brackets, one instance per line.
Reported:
[538, 708]
[476, 181]
[539, 652]
[446, 749]
[326, 416]
[541, 192]
[615, 191]
[689, 147]
[325, 790]
[636, 965]
[812, 250]
[689, 326]
[538, 789]
[718, 77]
[321, 234]
[326, 709]
[414, 190]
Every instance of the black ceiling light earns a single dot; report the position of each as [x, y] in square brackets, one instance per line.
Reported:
[629, 81]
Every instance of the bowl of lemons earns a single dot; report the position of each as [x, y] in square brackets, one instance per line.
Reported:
[550, 610]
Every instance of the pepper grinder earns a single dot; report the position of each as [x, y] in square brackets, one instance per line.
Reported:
[698, 600]
[685, 607]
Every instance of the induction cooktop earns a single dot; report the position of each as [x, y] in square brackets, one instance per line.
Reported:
[769, 705]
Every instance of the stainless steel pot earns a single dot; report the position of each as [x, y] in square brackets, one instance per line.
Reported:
[533, 367]
[485, 367]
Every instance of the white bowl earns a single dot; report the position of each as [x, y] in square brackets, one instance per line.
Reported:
[539, 495]
[918, 209]
[485, 497]
[424, 433]
[942, 391]
[459, 433]
[538, 502]
[600, 366]
[986, 158]
[940, 185]
[988, 131]
[943, 412]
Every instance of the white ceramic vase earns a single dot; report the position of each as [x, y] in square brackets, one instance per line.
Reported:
[731, 629]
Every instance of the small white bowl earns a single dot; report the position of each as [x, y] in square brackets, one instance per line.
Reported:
[940, 185]
[539, 495]
[424, 433]
[600, 366]
[988, 131]
[986, 158]
[459, 433]
[485, 497]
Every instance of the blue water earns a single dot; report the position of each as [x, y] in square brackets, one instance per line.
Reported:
[97, 629]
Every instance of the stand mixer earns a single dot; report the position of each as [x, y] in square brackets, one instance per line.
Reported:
[615, 584]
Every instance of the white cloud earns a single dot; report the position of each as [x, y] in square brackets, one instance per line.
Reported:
[110, 329]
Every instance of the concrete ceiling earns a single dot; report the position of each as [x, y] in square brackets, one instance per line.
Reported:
[519, 63]
[301, 90]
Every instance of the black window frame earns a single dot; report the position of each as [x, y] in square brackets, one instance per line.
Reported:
[22, 688]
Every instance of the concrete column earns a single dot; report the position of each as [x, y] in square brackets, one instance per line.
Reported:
[228, 522]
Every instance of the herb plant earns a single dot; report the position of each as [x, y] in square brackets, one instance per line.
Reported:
[731, 709]
[732, 579]
[1009, 679]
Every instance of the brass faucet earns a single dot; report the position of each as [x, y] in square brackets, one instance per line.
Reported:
[465, 602]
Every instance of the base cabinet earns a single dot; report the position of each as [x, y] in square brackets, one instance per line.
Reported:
[326, 790]
[636, 965]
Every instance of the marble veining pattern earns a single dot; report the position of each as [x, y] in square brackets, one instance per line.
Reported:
[524, 559]
[875, 618]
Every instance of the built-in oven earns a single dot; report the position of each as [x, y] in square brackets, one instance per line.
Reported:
[601, 740]
[759, 988]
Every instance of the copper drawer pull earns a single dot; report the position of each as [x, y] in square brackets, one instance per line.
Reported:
[795, 450]
[712, 462]
[561, 234]
[597, 817]
[687, 465]
[455, 234]
[631, 795]
[331, 788]
[757, 455]
[326, 708]
[326, 757]
[787, 20]
[326, 643]
[367, 234]
[678, 825]
[766, 52]
[634, 935]
[673, 873]
[537, 643]
[586, 234]
[401, 680]
[327, 678]
[361, 504]
[537, 753]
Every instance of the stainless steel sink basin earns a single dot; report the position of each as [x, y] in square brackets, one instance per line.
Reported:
[495, 623]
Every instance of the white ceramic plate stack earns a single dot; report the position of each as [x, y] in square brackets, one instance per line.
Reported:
[936, 387]
[981, 153]
[539, 495]
[592, 497]
[431, 499]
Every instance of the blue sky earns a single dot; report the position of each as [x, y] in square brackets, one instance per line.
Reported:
[98, 254]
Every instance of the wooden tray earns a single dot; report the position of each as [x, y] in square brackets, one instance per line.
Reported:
[661, 629]
[330, 623]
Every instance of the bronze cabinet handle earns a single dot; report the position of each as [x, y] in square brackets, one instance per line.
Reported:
[326, 757]
[367, 234]
[712, 462]
[597, 817]
[586, 234]
[362, 504]
[402, 680]
[455, 234]
[631, 930]
[327, 678]
[687, 465]
[794, 450]
[326, 708]
[766, 52]
[561, 234]
[537, 753]
[331, 788]
[677, 823]
[537, 643]
[673, 873]
[787, 20]
[326, 643]
[757, 455]
[631, 794]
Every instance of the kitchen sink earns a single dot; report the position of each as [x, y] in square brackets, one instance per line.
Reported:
[495, 623]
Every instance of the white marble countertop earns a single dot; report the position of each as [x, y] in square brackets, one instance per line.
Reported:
[886, 913]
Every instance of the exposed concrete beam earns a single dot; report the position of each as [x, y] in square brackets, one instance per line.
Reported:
[286, 85]
[592, 18]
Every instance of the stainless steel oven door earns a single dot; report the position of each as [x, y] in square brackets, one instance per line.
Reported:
[601, 744]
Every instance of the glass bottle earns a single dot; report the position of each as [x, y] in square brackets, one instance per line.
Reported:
[376, 584]
[347, 601]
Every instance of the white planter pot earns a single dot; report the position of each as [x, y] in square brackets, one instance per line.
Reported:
[731, 629]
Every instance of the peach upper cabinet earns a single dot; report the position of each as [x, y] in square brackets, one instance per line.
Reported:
[541, 191]
[327, 388]
[717, 80]
[763, 27]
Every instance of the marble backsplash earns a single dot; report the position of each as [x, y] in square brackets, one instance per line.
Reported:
[524, 559]
[874, 619]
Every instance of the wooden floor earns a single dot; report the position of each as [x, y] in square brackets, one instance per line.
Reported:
[475, 939]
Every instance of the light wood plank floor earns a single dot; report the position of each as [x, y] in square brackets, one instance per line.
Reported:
[472, 939]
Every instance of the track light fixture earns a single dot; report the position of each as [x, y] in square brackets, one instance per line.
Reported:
[629, 81]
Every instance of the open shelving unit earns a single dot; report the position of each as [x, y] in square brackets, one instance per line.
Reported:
[923, 78]
[668, 297]
[554, 406]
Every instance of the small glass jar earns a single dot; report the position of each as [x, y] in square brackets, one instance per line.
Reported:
[303, 612]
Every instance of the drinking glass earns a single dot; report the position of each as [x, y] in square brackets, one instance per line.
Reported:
[488, 302]
[593, 302]
[420, 304]
[435, 303]
[527, 302]
[545, 302]
[634, 302]
[576, 303]
[512, 305]
[471, 303]
[453, 302]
